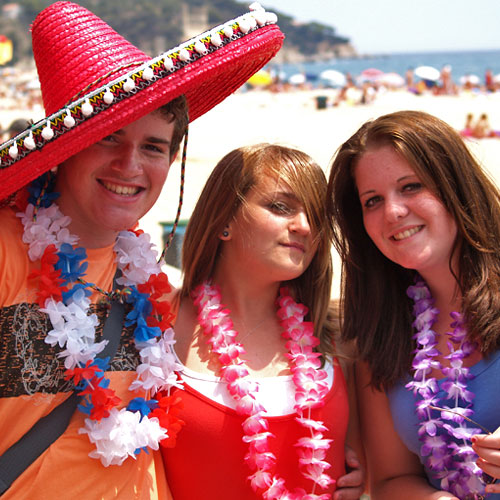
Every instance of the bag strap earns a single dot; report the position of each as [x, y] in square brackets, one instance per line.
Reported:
[24, 452]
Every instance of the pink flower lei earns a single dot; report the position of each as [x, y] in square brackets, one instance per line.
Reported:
[310, 383]
[445, 447]
[116, 433]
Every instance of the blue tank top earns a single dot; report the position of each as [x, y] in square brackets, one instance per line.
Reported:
[486, 407]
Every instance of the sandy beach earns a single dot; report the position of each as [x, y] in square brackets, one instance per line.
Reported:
[292, 118]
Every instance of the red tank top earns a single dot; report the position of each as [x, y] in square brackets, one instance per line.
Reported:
[208, 460]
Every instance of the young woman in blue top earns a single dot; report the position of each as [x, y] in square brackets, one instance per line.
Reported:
[417, 223]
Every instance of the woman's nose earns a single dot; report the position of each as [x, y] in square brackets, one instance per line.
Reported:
[300, 223]
[395, 209]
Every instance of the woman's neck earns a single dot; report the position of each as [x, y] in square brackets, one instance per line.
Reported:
[445, 290]
[248, 298]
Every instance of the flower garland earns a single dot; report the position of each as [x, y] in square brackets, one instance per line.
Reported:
[116, 433]
[452, 462]
[310, 383]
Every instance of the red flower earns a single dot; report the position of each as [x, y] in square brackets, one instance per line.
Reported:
[161, 309]
[50, 278]
[167, 414]
[103, 400]
[156, 286]
[87, 372]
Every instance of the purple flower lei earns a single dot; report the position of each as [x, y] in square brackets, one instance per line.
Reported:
[444, 435]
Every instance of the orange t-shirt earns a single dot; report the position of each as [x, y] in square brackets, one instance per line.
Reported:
[32, 383]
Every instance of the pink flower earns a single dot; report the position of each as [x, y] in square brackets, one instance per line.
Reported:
[312, 496]
[309, 423]
[241, 387]
[229, 353]
[258, 442]
[254, 424]
[260, 480]
[316, 442]
[276, 489]
[311, 455]
[234, 372]
[248, 405]
[264, 461]
[316, 474]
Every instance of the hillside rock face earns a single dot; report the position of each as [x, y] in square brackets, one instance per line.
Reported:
[290, 54]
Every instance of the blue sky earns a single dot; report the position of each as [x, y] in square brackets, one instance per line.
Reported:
[387, 26]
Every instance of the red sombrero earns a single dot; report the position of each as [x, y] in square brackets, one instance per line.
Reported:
[95, 82]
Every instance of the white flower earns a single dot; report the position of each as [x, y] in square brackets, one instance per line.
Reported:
[158, 367]
[49, 228]
[136, 258]
[119, 436]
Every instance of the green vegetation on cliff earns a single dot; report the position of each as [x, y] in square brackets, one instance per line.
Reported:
[155, 25]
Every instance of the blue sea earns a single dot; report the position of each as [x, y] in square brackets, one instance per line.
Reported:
[462, 63]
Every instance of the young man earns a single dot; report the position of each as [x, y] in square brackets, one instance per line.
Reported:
[115, 120]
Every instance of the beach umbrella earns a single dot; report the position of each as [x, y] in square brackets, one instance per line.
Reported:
[260, 79]
[471, 79]
[297, 79]
[427, 73]
[333, 77]
[370, 75]
[33, 84]
[391, 80]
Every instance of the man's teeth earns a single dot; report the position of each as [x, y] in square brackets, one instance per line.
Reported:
[407, 233]
[124, 190]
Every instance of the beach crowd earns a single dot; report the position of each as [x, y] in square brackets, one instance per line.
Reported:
[245, 380]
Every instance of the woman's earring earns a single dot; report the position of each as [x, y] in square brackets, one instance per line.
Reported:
[225, 233]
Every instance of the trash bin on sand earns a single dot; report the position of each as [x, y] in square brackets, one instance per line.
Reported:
[321, 101]
[174, 252]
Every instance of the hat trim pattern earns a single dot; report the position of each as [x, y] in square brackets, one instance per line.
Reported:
[90, 105]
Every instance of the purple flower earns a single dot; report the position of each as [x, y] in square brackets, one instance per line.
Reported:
[425, 319]
[457, 389]
[436, 445]
[464, 451]
[430, 427]
[461, 432]
[423, 387]
[452, 415]
[418, 291]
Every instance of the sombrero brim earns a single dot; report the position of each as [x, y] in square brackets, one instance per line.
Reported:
[205, 73]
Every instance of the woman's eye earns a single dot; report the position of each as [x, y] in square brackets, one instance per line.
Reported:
[412, 186]
[279, 207]
[371, 202]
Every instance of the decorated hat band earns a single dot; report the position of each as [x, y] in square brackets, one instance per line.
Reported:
[161, 75]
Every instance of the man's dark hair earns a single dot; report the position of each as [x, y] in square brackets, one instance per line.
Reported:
[176, 109]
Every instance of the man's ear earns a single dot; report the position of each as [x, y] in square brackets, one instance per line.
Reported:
[173, 158]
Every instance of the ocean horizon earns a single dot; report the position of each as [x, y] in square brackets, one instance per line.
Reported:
[473, 62]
